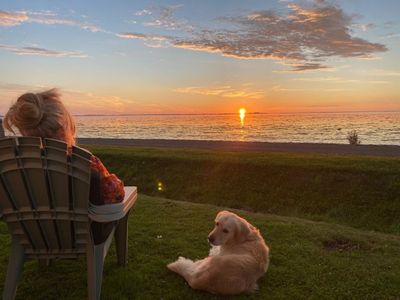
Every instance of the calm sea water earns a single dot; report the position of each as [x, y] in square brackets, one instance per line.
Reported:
[372, 128]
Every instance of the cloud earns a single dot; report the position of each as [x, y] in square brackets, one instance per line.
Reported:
[370, 57]
[56, 21]
[278, 88]
[304, 38]
[155, 45]
[222, 91]
[339, 80]
[376, 81]
[163, 16]
[78, 102]
[306, 66]
[140, 36]
[9, 92]
[314, 79]
[10, 19]
[94, 103]
[42, 52]
[392, 35]
[143, 12]
[384, 73]
[363, 27]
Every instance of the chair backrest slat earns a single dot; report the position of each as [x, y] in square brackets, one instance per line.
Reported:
[81, 178]
[31, 160]
[44, 194]
[80, 188]
[12, 175]
[15, 182]
[31, 156]
[6, 153]
[57, 171]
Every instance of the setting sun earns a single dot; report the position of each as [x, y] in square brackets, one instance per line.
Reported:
[242, 115]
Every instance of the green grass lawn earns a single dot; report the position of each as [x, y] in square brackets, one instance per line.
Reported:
[309, 260]
[362, 192]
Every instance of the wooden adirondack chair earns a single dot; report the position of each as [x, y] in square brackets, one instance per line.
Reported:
[44, 199]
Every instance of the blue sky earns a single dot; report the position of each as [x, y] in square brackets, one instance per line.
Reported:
[203, 56]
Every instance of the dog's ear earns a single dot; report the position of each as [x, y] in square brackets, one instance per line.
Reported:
[242, 231]
[245, 231]
[220, 214]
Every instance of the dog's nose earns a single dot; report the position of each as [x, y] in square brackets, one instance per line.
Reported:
[211, 239]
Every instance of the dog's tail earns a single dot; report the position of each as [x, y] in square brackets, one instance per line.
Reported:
[192, 271]
[184, 267]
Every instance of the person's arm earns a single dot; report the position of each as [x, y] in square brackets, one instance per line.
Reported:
[111, 187]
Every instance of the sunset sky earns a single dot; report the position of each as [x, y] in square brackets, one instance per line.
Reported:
[125, 57]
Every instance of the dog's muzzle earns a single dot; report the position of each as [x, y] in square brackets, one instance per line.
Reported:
[211, 239]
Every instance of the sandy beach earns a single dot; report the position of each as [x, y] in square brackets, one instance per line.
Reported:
[340, 149]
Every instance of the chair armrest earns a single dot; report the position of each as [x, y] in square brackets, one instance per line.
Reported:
[116, 211]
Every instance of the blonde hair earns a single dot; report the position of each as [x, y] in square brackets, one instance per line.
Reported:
[41, 114]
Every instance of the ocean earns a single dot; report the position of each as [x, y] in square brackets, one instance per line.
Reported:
[373, 128]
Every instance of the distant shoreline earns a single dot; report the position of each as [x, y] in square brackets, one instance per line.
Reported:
[319, 148]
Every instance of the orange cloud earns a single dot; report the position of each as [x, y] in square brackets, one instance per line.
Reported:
[48, 18]
[82, 102]
[12, 19]
[222, 91]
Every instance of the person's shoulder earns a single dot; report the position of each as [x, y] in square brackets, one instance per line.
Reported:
[94, 158]
[95, 162]
[97, 165]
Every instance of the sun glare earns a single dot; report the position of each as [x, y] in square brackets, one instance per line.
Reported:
[242, 115]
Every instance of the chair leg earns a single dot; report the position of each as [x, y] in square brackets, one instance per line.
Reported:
[121, 240]
[14, 270]
[107, 243]
[95, 263]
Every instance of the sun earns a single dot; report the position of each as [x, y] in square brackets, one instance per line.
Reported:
[242, 115]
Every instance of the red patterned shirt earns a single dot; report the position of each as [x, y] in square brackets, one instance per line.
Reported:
[111, 187]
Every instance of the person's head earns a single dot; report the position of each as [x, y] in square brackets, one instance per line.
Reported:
[43, 115]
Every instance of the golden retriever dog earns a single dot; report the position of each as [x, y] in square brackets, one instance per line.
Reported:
[237, 259]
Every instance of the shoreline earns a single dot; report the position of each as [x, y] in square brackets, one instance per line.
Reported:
[319, 148]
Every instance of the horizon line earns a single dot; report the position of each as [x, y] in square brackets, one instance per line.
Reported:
[234, 113]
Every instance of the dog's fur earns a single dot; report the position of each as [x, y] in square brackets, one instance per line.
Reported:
[238, 258]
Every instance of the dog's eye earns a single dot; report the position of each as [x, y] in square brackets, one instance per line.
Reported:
[225, 231]
[216, 224]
